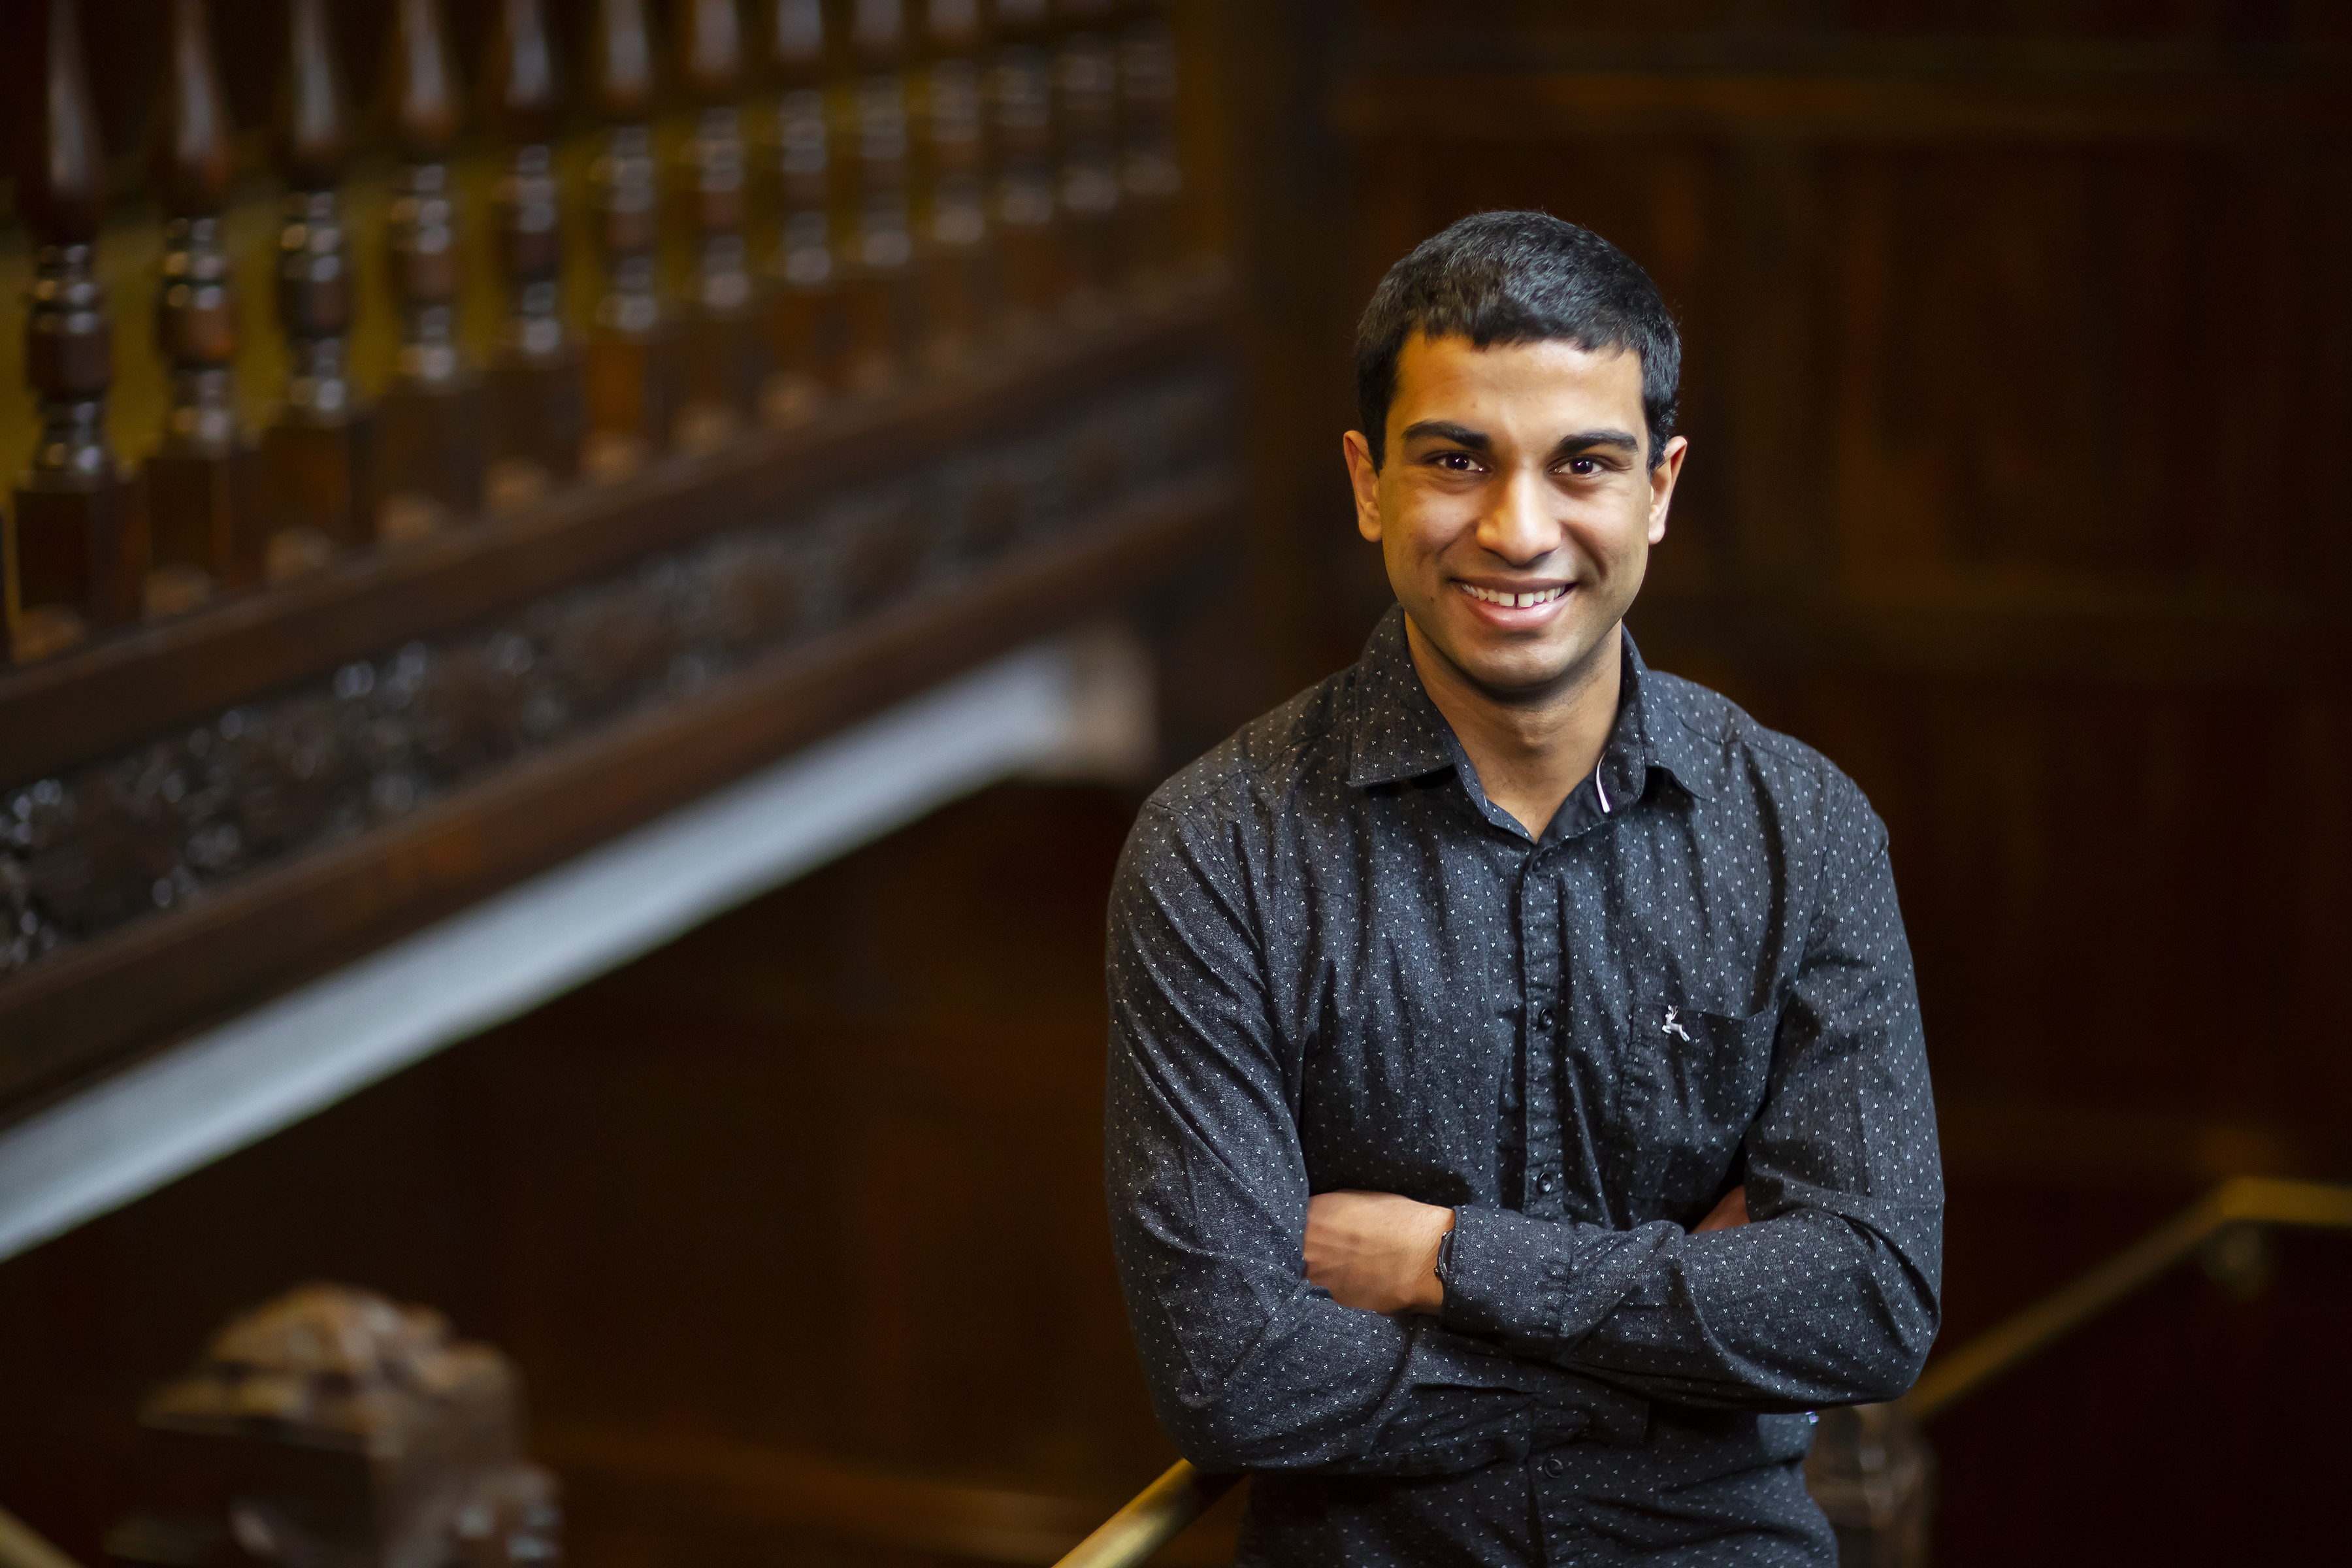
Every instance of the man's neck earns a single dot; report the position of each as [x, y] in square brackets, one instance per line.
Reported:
[1531, 753]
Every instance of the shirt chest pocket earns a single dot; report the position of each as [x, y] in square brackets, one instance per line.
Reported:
[1695, 1081]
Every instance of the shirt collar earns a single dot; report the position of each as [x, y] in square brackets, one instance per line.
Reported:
[1397, 733]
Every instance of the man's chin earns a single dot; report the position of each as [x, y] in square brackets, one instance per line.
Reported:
[1517, 670]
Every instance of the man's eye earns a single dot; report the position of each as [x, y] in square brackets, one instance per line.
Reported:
[1457, 462]
[1583, 468]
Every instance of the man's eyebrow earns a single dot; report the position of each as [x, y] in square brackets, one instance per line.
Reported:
[1446, 430]
[1585, 440]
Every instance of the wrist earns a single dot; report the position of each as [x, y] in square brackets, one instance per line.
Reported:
[1429, 1293]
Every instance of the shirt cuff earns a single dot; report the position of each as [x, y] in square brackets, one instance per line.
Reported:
[1508, 1275]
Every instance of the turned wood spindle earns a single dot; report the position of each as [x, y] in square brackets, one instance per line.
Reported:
[628, 370]
[1152, 173]
[202, 501]
[882, 304]
[722, 365]
[953, 209]
[431, 416]
[317, 454]
[535, 387]
[809, 332]
[1086, 118]
[1023, 203]
[78, 550]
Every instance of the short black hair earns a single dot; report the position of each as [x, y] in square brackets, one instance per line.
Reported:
[1519, 277]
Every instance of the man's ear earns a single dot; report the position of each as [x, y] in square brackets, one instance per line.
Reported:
[1365, 479]
[1661, 486]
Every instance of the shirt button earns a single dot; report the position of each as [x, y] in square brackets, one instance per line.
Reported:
[1547, 1181]
[1553, 1467]
[1545, 1019]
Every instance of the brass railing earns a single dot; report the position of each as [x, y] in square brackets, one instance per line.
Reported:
[21, 1547]
[2240, 1207]
[1153, 1518]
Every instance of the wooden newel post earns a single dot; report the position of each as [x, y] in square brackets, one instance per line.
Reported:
[78, 546]
[951, 145]
[537, 419]
[722, 358]
[629, 372]
[430, 418]
[333, 1426]
[806, 322]
[203, 478]
[316, 455]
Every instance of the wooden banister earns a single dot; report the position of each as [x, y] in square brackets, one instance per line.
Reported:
[190, 757]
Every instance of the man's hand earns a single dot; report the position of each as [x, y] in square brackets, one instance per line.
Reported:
[1731, 1211]
[1376, 1250]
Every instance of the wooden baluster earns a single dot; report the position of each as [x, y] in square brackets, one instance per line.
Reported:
[1023, 201]
[80, 542]
[1152, 173]
[958, 294]
[536, 417]
[720, 360]
[881, 281]
[630, 397]
[202, 495]
[806, 318]
[316, 452]
[1086, 115]
[431, 416]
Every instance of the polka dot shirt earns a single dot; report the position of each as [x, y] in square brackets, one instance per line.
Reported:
[1334, 963]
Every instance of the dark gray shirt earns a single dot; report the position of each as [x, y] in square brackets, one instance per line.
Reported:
[1334, 963]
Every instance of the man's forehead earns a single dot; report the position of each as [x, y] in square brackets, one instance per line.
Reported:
[1451, 368]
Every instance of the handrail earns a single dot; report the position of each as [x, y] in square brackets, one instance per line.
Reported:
[21, 1546]
[2240, 1200]
[1156, 1516]
[1161, 1510]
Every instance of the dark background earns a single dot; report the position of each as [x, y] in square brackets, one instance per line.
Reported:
[2017, 357]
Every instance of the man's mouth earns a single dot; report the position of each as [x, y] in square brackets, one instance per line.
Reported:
[1515, 601]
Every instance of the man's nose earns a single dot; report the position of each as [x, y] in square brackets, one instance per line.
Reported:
[1520, 527]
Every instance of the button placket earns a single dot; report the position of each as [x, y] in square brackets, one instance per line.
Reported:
[1539, 935]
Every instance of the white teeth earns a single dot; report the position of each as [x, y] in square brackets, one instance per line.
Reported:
[1513, 600]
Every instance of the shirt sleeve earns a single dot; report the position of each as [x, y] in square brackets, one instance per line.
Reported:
[1249, 1366]
[1830, 1294]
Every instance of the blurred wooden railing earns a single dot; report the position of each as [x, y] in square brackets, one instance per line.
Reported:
[889, 350]
[845, 204]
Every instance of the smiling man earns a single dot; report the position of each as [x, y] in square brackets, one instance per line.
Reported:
[1518, 1120]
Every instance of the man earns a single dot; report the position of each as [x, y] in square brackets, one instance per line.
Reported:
[1517, 1119]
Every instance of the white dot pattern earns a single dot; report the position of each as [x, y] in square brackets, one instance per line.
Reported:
[1333, 962]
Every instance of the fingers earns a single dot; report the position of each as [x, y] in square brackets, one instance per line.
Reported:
[1728, 1212]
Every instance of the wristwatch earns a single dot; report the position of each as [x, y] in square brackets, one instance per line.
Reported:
[1444, 1269]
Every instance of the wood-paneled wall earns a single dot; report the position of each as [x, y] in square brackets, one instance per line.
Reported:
[2016, 339]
